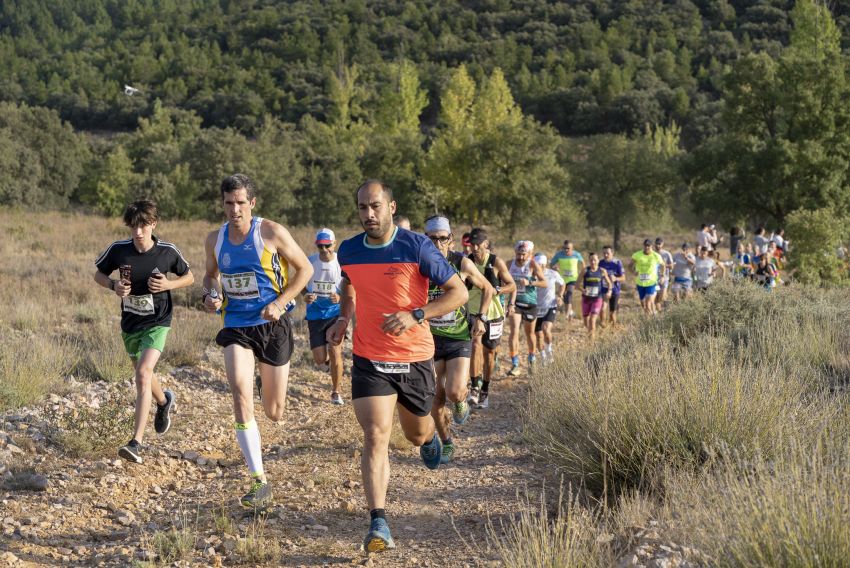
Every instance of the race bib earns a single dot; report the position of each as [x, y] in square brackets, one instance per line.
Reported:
[139, 305]
[496, 329]
[644, 277]
[446, 320]
[520, 288]
[241, 286]
[592, 291]
[568, 273]
[391, 368]
[324, 289]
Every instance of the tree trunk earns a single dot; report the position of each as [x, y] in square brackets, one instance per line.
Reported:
[617, 236]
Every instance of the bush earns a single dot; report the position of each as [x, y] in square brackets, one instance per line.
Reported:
[816, 237]
[32, 367]
[684, 391]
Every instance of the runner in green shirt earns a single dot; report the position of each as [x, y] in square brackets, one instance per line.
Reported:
[645, 263]
[569, 264]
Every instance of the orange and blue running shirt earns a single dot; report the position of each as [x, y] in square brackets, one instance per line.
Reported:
[390, 278]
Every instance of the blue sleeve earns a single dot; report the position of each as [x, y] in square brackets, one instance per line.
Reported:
[619, 268]
[580, 258]
[433, 265]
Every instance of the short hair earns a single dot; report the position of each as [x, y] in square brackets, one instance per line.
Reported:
[400, 218]
[567, 242]
[703, 226]
[388, 193]
[142, 212]
[236, 182]
[608, 247]
[592, 253]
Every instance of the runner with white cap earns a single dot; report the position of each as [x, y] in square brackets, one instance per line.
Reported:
[548, 301]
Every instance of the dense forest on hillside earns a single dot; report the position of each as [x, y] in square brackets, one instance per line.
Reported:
[311, 96]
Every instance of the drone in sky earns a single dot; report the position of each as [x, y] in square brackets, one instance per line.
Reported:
[130, 91]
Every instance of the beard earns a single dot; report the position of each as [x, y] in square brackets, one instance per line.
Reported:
[378, 230]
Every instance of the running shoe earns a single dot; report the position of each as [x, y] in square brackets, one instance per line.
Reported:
[431, 452]
[515, 371]
[473, 395]
[378, 538]
[132, 452]
[259, 496]
[336, 399]
[448, 452]
[483, 401]
[460, 412]
[162, 421]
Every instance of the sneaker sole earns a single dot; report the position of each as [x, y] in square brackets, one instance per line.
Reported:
[129, 456]
[377, 544]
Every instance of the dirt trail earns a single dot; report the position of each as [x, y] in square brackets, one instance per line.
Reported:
[107, 511]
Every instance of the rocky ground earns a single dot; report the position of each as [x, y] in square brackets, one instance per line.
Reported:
[181, 507]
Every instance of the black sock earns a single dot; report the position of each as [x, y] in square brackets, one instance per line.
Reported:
[477, 381]
[133, 443]
[378, 514]
[485, 387]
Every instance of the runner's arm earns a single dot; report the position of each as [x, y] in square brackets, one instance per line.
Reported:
[454, 296]
[467, 268]
[289, 250]
[540, 278]
[580, 281]
[211, 281]
[162, 283]
[336, 333]
[508, 285]
[607, 279]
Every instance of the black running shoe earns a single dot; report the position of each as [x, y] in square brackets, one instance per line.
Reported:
[258, 497]
[132, 452]
[162, 422]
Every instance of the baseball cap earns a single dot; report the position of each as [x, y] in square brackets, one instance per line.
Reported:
[522, 246]
[477, 236]
[540, 258]
[324, 237]
[465, 240]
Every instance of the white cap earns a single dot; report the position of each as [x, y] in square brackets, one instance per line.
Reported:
[325, 236]
[540, 258]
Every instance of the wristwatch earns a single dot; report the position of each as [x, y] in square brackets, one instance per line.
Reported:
[418, 314]
[482, 317]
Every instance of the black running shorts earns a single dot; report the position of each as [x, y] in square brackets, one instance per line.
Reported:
[613, 302]
[492, 337]
[527, 311]
[414, 383]
[318, 331]
[550, 317]
[446, 348]
[271, 342]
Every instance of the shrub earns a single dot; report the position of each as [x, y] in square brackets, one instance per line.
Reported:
[32, 367]
[817, 235]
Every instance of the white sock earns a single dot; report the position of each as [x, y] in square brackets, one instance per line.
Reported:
[549, 348]
[248, 436]
[543, 354]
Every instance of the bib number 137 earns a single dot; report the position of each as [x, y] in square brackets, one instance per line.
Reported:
[241, 286]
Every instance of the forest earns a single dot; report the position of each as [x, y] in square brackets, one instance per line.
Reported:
[580, 113]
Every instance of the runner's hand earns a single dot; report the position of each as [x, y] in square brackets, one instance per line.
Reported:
[158, 283]
[510, 309]
[524, 281]
[397, 323]
[478, 328]
[336, 332]
[122, 288]
[334, 298]
[212, 304]
[559, 301]
[608, 296]
[309, 298]
[271, 312]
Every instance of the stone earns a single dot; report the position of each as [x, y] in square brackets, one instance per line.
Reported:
[126, 518]
[190, 455]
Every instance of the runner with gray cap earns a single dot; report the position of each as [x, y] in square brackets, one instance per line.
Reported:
[453, 334]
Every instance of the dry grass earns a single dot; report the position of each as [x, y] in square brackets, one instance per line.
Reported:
[31, 367]
[93, 431]
[258, 546]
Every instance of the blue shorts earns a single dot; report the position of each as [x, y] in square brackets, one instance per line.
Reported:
[646, 291]
[682, 284]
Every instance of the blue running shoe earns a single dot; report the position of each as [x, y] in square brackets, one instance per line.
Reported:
[432, 452]
[460, 412]
[378, 538]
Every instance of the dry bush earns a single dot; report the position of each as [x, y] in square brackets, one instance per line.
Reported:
[258, 547]
[191, 333]
[93, 432]
[678, 395]
[791, 511]
[177, 543]
[32, 367]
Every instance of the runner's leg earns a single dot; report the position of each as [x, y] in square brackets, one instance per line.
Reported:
[275, 380]
[438, 410]
[147, 388]
[375, 416]
[336, 366]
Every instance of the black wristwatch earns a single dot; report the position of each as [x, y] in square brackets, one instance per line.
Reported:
[418, 314]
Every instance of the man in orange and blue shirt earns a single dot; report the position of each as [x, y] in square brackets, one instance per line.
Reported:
[386, 272]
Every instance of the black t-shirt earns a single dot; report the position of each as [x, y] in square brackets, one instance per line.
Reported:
[142, 309]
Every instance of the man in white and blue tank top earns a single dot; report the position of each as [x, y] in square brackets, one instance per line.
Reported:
[248, 281]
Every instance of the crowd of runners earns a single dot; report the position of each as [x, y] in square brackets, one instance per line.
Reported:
[426, 313]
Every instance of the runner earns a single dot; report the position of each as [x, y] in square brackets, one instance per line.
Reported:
[742, 263]
[247, 278]
[453, 336]
[549, 299]
[322, 298]
[705, 270]
[616, 273]
[760, 241]
[485, 349]
[683, 264]
[645, 263]
[143, 262]
[663, 273]
[765, 273]
[707, 237]
[593, 280]
[402, 222]
[569, 264]
[527, 276]
[386, 271]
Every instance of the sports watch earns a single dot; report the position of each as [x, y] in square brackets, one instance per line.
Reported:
[418, 314]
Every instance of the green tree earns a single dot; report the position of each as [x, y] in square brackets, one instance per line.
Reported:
[816, 238]
[617, 180]
[785, 143]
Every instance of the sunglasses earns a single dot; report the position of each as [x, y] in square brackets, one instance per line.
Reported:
[441, 240]
[323, 247]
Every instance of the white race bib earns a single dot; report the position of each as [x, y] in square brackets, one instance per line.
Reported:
[592, 291]
[496, 329]
[140, 305]
[644, 277]
[568, 273]
[391, 368]
[446, 320]
[241, 286]
[520, 288]
[324, 289]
